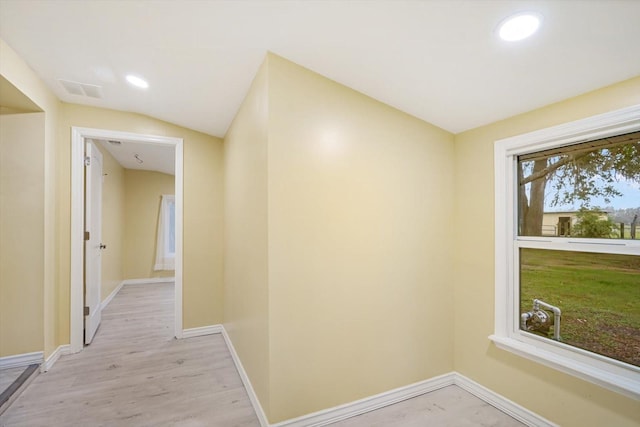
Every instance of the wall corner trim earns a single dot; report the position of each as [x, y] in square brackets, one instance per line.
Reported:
[53, 357]
[500, 402]
[371, 403]
[368, 404]
[253, 397]
[21, 360]
[201, 331]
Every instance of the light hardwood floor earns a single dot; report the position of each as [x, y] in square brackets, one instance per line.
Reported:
[136, 374]
[448, 407]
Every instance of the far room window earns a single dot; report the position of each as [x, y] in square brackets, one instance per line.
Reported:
[166, 236]
[568, 248]
[170, 228]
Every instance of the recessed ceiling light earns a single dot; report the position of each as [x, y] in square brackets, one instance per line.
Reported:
[137, 81]
[519, 26]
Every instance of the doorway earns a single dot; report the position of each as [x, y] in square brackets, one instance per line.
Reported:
[564, 226]
[79, 137]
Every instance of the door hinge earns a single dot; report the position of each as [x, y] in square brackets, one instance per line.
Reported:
[86, 235]
[87, 161]
[86, 311]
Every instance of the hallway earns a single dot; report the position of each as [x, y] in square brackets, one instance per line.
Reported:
[135, 373]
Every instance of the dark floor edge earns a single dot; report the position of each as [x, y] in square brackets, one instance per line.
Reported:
[15, 386]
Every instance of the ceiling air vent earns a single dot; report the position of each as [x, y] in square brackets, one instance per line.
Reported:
[115, 142]
[81, 89]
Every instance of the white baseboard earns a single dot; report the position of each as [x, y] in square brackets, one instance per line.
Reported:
[330, 415]
[352, 409]
[21, 360]
[253, 397]
[53, 357]
[149, 281]
[203, 330]
[500, 402]
[368, 404]
[108, 299]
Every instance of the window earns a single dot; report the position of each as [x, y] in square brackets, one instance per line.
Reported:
[166, 237]
[170, 228]
[568, 248]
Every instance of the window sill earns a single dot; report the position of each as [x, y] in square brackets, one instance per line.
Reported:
[627, 383]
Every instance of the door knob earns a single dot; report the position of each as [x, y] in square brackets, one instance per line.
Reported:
[103, 246]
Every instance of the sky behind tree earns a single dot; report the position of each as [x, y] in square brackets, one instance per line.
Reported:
[629, 199]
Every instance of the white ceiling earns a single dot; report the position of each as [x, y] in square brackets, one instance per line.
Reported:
[438, 60]
[152, 157]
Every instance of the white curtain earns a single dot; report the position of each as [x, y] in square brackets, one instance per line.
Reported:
[166, 243]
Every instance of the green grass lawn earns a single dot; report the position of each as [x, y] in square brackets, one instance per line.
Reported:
[599, 295]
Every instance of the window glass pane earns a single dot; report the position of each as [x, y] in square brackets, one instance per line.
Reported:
[598, 296]
[588, 190]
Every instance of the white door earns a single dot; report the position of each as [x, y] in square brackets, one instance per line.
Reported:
[93, 245]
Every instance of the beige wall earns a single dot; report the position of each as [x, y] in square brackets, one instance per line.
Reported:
[360, 201]
[203, 245]
[143, 194]
[13, 101]
[246, 304]
[356, 237]
[112, 222]
[23, 78]
[21, 233]
[561, 398]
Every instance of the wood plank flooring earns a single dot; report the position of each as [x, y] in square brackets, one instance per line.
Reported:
[135, 374]
[448, 407]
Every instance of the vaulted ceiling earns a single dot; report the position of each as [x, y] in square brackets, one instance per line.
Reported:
[437, 60]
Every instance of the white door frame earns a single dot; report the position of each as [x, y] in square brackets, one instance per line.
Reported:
[78, 136]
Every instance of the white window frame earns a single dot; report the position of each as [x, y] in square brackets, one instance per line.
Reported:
[606, 372]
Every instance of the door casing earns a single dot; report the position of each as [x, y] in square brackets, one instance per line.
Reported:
[78, 137]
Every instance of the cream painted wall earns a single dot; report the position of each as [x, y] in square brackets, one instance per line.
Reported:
[337, 243]
[21, 233]
[23, 78]
[112, 223]
[143, 193]
[12, 101]
[246, 299]
[203, 225]
[561, 398]
[360, 202]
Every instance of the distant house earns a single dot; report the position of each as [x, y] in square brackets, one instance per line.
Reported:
[560, 223]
